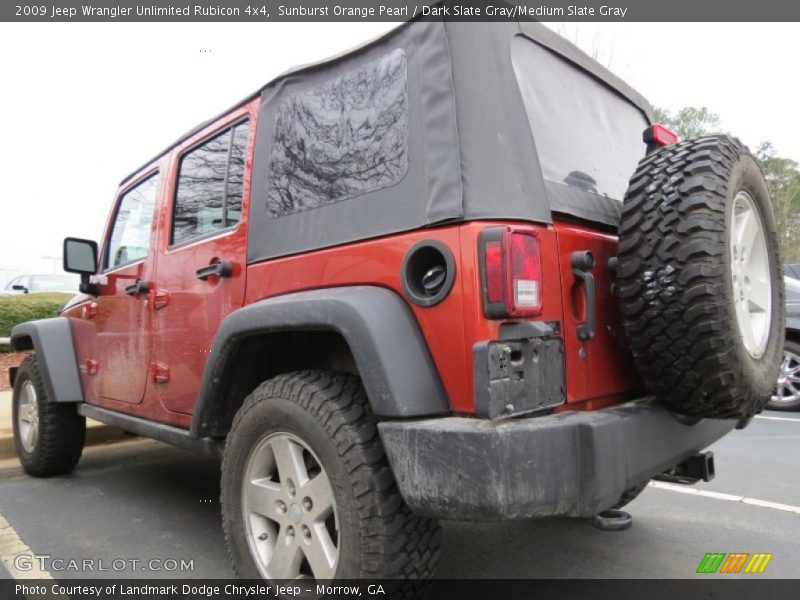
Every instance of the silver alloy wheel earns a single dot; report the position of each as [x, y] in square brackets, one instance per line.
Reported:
[28, 416]
[752, 284]
[788, 389]
[289, 510]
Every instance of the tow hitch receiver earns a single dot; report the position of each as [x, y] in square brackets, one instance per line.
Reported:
[697, 467]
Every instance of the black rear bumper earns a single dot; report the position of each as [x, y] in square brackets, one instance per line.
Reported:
[573, 463]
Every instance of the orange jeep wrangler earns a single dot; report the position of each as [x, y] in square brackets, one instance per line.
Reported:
[456, 273]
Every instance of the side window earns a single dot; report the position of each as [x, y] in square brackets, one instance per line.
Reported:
[344, 138]
[235, 190]
[130, 235]
[210, 185]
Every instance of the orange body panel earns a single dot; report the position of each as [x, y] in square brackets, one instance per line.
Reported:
[599, 371]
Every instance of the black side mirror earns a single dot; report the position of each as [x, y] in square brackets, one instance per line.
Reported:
[19, 288]
[80, 256]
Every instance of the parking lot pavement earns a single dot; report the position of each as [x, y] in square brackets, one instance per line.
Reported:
[143, 500]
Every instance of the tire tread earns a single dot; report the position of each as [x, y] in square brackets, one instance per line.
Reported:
[62, 431]
[671, 279]
[397, 543]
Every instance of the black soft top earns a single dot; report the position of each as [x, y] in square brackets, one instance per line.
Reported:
[467, 150]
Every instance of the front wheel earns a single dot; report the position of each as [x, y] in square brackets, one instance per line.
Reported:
[307, 490]
[787, 392]
[49, 437]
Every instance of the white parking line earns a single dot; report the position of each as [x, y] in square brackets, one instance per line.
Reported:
[777, 418]
[12, 546]
[682, 489]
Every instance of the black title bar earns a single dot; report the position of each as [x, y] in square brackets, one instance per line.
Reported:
[739, 588]
[399, 10]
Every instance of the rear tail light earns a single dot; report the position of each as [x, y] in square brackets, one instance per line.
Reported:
[658, 135]
[511, 272]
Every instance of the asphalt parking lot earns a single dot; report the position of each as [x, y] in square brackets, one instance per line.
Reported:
[141, 500]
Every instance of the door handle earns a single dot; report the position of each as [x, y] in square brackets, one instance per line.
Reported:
[140, 287]
[582, 263]
[220, 269]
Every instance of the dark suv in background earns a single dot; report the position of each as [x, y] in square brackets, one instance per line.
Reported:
[787, 392]
[792, 270]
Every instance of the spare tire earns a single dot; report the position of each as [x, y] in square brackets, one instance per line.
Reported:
[699, 278]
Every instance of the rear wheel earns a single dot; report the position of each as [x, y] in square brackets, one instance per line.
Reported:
[787, 392]
[307, 490]
[700, 281]
[287, 498]
[49, 437]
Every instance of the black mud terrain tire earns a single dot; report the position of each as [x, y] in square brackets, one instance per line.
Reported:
[377, 535]
[59, 432]
[676, 281]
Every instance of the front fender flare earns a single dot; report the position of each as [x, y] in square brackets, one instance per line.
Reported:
[389, 350]
[51, 339]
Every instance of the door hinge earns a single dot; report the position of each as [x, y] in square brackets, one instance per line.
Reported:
[159, 372]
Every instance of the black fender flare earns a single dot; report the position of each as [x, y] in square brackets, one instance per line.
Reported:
[51, 339]
[389, 350]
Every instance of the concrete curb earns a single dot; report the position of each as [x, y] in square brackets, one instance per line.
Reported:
[96, 433]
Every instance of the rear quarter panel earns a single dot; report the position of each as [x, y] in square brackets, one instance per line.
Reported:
[450, 328]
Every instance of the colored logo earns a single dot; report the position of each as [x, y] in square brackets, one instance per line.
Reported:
[735, 562]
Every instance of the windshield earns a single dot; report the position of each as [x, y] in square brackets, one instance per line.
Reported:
[587, 135]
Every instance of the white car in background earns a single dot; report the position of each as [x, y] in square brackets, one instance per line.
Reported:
[26, 284]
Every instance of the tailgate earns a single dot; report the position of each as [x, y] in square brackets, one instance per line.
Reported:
[599, 369]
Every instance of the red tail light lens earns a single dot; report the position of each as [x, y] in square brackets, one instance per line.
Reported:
[511, 272]
[495, 290]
